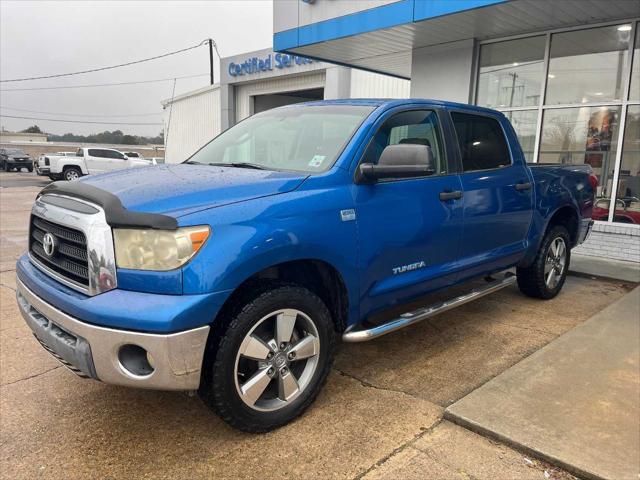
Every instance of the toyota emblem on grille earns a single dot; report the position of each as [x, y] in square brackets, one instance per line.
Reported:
[49, 244]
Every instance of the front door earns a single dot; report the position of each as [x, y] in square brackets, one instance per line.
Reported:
[408, 236]
[498, 195]
[97, 160]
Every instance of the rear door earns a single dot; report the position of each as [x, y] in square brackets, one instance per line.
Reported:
[497, 194]
[408, 234]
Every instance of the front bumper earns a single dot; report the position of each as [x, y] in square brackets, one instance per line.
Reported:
[44, 171]
[19, 163]
[97, 352]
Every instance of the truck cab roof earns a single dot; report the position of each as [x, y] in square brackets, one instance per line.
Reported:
[387, 103]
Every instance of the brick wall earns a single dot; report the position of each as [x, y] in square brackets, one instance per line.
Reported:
[612, 240]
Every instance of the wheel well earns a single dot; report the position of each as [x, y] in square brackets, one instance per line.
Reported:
[318, 276]
[568, 218]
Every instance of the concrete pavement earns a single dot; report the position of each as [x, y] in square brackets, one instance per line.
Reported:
[605, 268]
[575, 402]
[380, 416]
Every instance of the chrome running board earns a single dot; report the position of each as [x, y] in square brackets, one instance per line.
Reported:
[354, 335]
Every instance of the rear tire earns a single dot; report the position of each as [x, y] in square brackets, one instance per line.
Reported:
[545, 277]
[271, 361]
[71, 173]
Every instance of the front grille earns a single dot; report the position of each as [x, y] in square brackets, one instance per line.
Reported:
[69, 258]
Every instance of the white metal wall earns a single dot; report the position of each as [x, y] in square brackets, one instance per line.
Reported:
[373, 85]
[275, 85]
[193, 119]
[190, 122]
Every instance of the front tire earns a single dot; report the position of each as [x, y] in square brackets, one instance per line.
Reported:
[547, 274]
[272, 360]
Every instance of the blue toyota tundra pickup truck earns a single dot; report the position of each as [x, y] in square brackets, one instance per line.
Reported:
[235, 273]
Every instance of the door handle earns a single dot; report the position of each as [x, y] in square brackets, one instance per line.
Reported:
[523, 186]
[455, 195]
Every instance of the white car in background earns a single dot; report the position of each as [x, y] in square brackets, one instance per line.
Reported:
[89, 161]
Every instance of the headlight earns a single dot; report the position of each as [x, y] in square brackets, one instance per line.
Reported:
[162, 250]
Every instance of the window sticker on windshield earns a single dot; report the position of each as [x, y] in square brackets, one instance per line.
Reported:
[317, 160]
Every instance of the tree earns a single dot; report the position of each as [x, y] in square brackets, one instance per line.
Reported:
[32, 129]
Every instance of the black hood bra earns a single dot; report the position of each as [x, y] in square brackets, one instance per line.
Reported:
[115, 213]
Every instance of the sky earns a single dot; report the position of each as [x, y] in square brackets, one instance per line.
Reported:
[54, 37]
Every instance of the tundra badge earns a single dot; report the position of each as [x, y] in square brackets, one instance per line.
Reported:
[409, 268]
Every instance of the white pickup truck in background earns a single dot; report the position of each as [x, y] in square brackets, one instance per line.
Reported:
[87, 161]
[42, 165]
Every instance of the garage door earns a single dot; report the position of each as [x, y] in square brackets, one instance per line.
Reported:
[283, 84]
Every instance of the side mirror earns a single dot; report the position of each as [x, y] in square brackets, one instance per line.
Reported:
[399, 161]
[124, 157]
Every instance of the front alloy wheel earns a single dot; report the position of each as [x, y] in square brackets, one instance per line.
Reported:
[277, 360]
[272, 358]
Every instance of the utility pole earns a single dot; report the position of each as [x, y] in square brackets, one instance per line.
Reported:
[211, 59]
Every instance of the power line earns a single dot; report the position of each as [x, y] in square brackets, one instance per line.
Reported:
[100, 69]
[2, 107]
[103, 84]
[77, 121]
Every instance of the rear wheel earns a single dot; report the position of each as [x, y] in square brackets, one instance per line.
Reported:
[546, 276]
[272, 360]
[71, 173]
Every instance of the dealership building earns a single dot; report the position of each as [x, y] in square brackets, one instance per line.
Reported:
[257, 81]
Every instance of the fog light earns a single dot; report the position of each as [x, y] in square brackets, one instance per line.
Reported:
[136, 360]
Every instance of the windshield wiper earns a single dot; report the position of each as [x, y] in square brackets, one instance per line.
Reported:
[239, 165]
[193, 162]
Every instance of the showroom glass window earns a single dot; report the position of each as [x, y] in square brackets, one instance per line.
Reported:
[588, 65]
[524, 123]
[579, 135]
[510, 79]
[588, 95]
[627, 208]
[634, 91]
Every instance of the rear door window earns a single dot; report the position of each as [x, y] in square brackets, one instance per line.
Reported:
[481, 141]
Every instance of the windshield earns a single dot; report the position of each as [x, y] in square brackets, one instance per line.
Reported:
[302, 139]
[15, 151]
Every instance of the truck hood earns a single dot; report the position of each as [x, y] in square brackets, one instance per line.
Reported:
[180, 189]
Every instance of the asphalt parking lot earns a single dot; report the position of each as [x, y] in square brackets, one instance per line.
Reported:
[380, 415]
[22, 179]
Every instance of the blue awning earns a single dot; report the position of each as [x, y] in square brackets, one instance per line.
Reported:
[381, 39]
